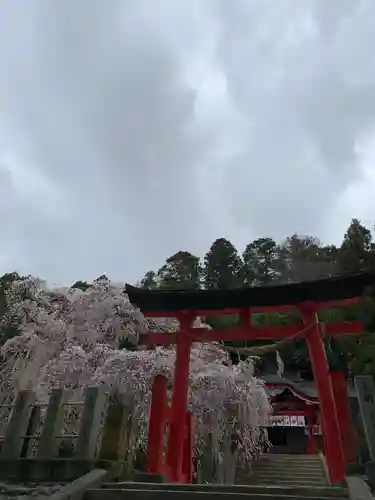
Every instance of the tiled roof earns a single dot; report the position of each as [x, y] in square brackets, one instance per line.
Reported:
[304, 387]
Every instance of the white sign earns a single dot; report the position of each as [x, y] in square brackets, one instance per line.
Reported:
[365, 388]
[286, 421]
[301, 421]
[294, 421]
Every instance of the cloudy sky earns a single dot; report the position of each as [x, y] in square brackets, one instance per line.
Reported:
[130, 129]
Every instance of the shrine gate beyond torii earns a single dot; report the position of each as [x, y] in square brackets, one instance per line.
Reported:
[306, 298]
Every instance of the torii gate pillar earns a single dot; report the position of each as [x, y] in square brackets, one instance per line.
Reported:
[331, 430]
[179, 397]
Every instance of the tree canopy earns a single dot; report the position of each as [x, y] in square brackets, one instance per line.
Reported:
[297, 258]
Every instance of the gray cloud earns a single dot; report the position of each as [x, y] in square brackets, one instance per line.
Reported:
[306, 101]
[138, 128]
[99, 101]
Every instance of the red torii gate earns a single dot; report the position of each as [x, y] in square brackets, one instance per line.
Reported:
[307, 298]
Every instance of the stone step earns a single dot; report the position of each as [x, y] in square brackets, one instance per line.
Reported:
[285, 470]
[276, 480]
[289, 460]
[288, 481]
[286, 463]
[289, 470]
[296, 458]
[162, 494]
[282, 456]
[294, 465]
[311, 491]
[289, 467]
[274, 476]
[282, 469]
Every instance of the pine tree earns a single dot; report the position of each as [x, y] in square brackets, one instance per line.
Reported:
[223, 267]
[149, 281]
[357, 251]
[81, 285]
[305, 259]
[261, 261]
[181, 271]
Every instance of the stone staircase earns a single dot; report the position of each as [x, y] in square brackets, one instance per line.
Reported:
[274, 477]
[286, 470]
[163, 491]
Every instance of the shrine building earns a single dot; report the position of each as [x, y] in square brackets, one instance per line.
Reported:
[295, 425]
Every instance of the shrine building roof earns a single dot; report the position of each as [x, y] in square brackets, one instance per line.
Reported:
[302, 389]
[322, 290]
